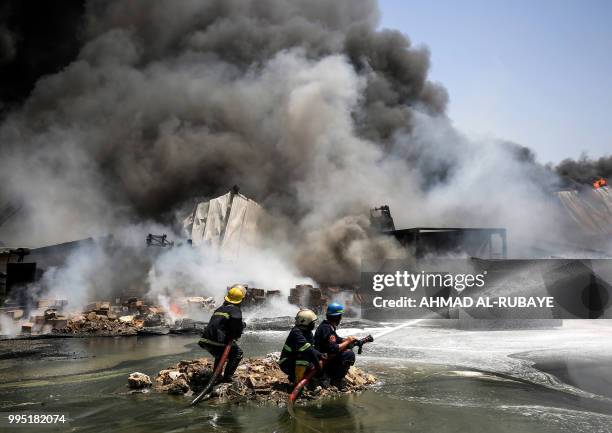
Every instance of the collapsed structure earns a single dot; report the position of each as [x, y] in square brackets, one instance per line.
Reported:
[580, 284]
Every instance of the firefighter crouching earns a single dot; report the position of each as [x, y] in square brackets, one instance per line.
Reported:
[338, 349]
[226, 324]
[298, 353]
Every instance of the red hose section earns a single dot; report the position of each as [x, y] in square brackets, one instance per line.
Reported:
[215, 374]
[301, 384]
[222, 360]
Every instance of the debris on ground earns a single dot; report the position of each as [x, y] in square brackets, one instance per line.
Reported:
[187, 326]
[138, 380]
[200, 303]
[258, 380]
[94, 324]
[102, 318]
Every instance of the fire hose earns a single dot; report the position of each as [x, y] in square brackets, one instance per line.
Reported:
[215, 375]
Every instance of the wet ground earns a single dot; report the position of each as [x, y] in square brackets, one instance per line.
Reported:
[431, 380]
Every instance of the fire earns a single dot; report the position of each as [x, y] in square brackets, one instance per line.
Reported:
[175, 309]
[600, 183]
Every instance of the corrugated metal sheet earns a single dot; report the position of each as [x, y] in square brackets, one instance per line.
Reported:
[591, 210]
[215, 221]
[229, 223]
[241, 226]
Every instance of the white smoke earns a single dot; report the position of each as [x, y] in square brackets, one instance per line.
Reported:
[201, 272]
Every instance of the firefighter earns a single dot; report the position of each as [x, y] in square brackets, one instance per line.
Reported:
[340, 357]
[226, 325]
[298, 353]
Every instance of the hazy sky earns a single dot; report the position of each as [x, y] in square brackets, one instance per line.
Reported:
[537, 72]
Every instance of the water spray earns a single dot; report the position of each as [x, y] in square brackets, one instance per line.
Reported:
[397, 328]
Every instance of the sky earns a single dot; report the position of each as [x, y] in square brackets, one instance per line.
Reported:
[538, 73]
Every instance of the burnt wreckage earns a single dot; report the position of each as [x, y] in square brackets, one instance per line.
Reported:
[231, 222]
[582, 288]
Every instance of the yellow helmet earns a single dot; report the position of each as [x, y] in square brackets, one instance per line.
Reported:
[235, 294]
[305, 317]
[241, 287]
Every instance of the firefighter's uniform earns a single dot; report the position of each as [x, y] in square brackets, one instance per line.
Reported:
[298, 354]
[327, 341]
[225, 324]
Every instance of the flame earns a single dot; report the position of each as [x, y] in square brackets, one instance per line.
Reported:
[175, 309]
[600, 183]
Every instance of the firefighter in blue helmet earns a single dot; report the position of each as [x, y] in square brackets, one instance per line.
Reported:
[338, 349]
[298, 353]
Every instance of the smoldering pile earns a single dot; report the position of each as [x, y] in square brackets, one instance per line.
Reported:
[179, 315]
[103, 318]
[97, 318]
[258, 380]
[100, 325]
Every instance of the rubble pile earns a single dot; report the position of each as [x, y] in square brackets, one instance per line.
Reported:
[128, 316]
[257, 379]
[102, 325]
[138, 380]
[104, 319]
[48, 315]
[132, 315]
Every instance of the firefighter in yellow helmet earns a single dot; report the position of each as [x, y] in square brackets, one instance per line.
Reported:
[226, 325]
[298, 353]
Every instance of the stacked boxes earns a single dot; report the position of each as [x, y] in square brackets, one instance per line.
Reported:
[306, 296]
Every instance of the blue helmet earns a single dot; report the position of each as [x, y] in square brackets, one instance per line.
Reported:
[335, 309]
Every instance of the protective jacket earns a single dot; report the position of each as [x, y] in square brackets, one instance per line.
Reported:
[225, 324]
[326, 340]
[299, 349]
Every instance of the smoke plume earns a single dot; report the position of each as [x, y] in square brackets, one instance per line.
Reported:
[305, 104]
[585, 170]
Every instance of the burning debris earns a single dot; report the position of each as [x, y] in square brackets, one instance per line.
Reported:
[98, 318]
[134, 315]
[100, 325]
[131, 317]
[600, 183]
[256, 379]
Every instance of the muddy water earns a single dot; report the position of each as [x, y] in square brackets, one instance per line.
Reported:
[431, 380]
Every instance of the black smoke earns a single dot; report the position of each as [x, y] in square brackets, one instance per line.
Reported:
[306, 104]
[151, 147]
[585, 170]
[36, 38]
